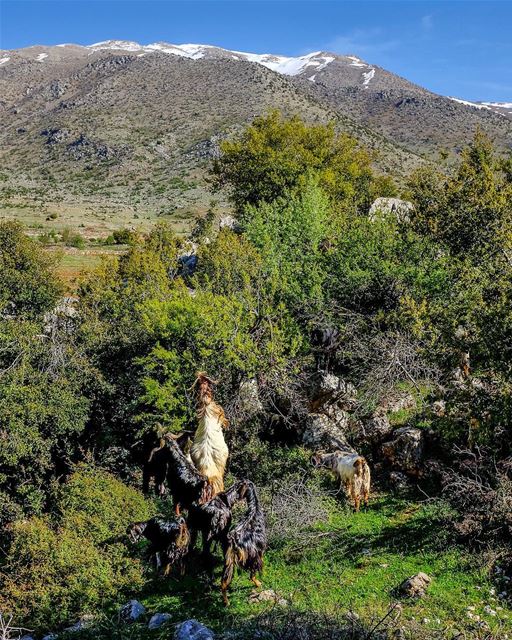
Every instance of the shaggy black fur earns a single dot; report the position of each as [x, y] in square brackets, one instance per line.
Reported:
[156, 460]
[246, 543]
[213, 518]
[169, 541]
[186, 484]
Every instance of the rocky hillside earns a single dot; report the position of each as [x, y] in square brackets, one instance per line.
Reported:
[120, 134]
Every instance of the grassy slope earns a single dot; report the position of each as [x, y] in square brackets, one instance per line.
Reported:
[352, 563]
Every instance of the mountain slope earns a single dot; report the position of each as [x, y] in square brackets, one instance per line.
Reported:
[119, 133]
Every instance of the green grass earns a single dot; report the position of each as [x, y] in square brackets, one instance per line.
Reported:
[351, 562]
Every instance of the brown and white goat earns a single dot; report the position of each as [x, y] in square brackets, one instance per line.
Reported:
[209, 451]
[351, 469]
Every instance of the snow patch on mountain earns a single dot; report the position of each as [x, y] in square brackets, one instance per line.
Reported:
[4, 60]
[498, 105]
[368, 76]
[286, 65]
[469, 104]
[40, 57]
[356, 62]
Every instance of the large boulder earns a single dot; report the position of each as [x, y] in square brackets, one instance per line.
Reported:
[405, 450]
[323, 431]
[374, 430]
[327, 388]
[383, 207]
[193, 630]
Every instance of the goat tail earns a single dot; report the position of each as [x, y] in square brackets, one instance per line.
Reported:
[366, 481]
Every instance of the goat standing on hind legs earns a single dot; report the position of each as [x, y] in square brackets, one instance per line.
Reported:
[209, 451]
[351, 469]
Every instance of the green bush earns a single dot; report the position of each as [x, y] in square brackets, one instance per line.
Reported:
[56, 571]
[95, 504]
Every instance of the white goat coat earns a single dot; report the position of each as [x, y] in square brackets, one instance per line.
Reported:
[343, 466]
[209, 451]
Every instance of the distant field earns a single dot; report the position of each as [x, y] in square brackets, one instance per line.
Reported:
[77, 262]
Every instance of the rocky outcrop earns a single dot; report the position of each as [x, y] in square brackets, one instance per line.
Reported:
[405, 450]
[322, 431]
[329, 389]
[374, 430]
[383, 207]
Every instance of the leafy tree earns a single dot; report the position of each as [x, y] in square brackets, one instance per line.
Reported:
[273, 156]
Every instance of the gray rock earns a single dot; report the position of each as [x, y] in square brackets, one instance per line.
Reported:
[158, 619]
[249, 397]
[131, 611]
[193, 630]
[327, 388]
[415, 586]
[229, 222]
[383, 207]
[84, 622]
[405, 450]
[323, 431]
[267, 595]
[50, 636]
[376, 429]
[399, 481]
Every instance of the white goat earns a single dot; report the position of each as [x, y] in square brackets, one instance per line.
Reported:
[351, 469]
[209, 451]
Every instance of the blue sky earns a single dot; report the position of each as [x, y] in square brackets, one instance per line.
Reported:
[459, 48]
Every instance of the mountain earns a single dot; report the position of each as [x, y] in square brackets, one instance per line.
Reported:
[118, 133]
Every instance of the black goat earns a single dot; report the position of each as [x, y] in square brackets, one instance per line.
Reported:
[246, 543]
[169, 541]
[213, 518]
[156, 460]
[155, 466]
[186, 484]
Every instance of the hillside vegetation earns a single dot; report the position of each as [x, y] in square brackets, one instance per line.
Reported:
[410, 316]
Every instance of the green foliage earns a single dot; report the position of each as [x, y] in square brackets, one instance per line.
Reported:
[289, 234]
[275, 155]
[123, 236]
[95, 504]
[27, 283]
[471, 210]
[56, 571]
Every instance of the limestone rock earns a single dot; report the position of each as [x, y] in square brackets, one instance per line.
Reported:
[158, 619]
[375, 430]
[267, 595]
[383, 207]
[324, 432]
[415, 586]
[193, 630]
[404, 451]
[131, 611]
